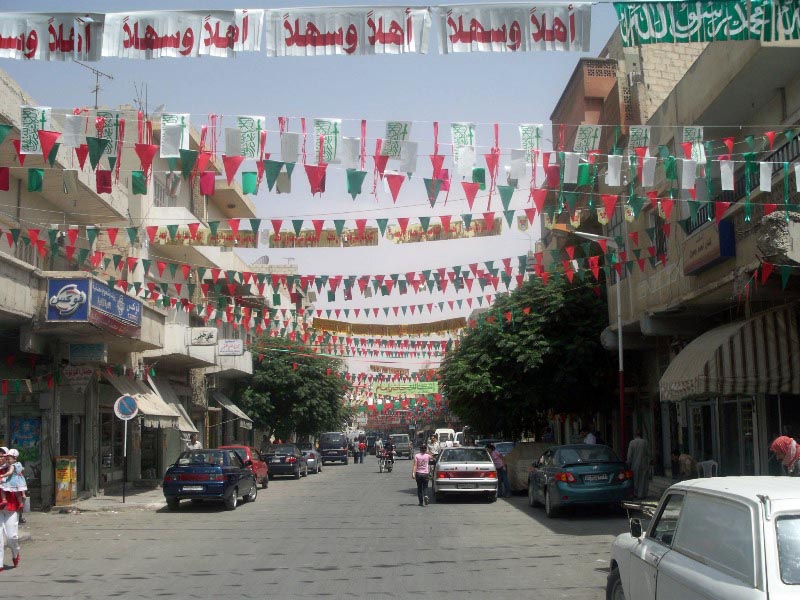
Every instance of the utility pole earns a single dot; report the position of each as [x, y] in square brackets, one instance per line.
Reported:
[97, 75]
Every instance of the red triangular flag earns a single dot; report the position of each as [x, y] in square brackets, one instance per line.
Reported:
[193, 228]
[318, 224]
[445, 219]
[46, 140]
[530, 214]
[151, 232]
[403, 222]
[539, 195]
[276, 225]
[687, 149]
[471, 190]
[360, 225]
[234, 225]
[728, 141]
[769, 208]
[609, 202]
[770, 135]
[437, 160]
[316, 177]
[231, 164]
[146, 153]
[719, 210]
[111, 232]
[491, 163]
[380, 163]
[766, 271]
[488, 221]
[395, 181]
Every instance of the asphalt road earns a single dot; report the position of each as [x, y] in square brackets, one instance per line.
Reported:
[348, 532]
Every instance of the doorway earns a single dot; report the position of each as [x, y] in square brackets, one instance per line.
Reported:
[738, 437]
[703, 431]
[71, 443]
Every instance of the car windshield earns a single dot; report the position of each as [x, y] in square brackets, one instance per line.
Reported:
[465, 455]
[399, 439]
[332, 439]
[203, 457]
[586, 454]
[788, 534]
[280, 449]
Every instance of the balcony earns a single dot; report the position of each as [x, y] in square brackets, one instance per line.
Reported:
[19, 297]
[231, 202]
[178, 353]
[232, 367]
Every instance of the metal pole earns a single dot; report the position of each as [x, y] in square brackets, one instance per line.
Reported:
[125, 459]
[621, 369]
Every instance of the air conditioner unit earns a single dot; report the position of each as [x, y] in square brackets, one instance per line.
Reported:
[634, 78]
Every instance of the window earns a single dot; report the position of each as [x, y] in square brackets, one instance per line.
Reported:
[667, 521]
[591, 454]
[465, 455]
[788, 533]
[717, 533]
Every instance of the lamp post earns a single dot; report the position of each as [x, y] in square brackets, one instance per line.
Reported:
[611, 242]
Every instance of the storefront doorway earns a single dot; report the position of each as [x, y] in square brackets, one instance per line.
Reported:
[738, 436]
[703, 431]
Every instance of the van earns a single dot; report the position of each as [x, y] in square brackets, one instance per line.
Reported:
[402, 444]
[445, 435]
[333, 447]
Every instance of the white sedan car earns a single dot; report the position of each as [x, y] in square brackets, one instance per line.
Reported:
[465, 471]
[726, 538]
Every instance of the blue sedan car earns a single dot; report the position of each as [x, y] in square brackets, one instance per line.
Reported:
[578, 474]
[209, 475]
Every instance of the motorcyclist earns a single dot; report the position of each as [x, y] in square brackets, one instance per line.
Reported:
[388, 448]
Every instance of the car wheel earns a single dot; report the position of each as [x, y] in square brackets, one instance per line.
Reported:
[532, 501]
[491, 497]
[251, 497]
[232, 500]
[549, 509]
[173, 503]
[305, 471]
[614, 589]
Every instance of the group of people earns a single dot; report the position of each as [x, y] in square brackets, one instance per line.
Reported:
[359, 449]
[13, 492]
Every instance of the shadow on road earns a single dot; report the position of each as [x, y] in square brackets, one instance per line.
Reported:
[579, 520]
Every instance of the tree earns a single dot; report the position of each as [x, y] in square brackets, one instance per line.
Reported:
[293, 390]
[514, 367]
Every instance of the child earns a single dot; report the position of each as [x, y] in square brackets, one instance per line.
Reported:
[15, 482]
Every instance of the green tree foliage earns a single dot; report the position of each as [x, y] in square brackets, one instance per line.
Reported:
[294, 391]
[505, 375]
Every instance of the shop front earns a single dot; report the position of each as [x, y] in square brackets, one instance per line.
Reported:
[734, 389]
[165, 389]
[235, 426]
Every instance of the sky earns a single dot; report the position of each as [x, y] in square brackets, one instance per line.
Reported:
[482, 88]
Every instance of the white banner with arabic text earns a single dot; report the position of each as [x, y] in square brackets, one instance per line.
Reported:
[515, 27]
[179, 34]
[347, 31]
[57, 36]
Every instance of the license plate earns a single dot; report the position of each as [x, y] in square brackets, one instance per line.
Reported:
[193, 488]
[467, 486]
[595, 477]
[274, 460]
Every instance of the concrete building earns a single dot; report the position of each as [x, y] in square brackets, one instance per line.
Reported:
[710, 351]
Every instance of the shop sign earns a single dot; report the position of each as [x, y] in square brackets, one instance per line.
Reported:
[203, 336]
[114, 311]
[78, 378]
[708, 247]
[88, 353]
[67, 300]
[397, 389]
[230, 347]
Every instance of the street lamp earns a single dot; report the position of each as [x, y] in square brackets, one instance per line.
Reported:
[612, 243]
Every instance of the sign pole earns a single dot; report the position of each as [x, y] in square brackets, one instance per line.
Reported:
[126, 409]
[125, 459]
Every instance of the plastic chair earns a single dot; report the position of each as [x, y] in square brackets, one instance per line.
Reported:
[708, 468]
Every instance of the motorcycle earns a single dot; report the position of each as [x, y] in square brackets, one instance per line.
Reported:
[385, 462]
[432, 465]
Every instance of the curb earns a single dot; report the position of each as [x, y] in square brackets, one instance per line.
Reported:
[107, 508]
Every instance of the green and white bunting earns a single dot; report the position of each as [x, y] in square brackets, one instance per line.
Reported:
[397, 132]
[33, 119]
[250, 128]
[530, 136]
[331, 132]
[174, 134]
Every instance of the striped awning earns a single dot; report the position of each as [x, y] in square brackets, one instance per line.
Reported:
[758, 356]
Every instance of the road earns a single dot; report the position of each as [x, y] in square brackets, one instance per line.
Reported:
[348, 532]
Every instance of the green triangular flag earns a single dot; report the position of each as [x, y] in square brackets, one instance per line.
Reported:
[112, 281]
[339, 226]
[467, 219]
[424, 222]
[789, 133]
[636, 203]
[671, 168]
[297, 224]
[663, 152]
[106, 263]
[289, 169]
[382, 225]
[14, 234]
[172, 229]
[249, 182]
[255, 225]
[133, 233]
[213, 226]
[91, 234]
[651, 233]
[355, 179]
[432, 186]
[479, 176]
[4, 129]
[35, 180]
[112, 160]
[571, 199]
[138, 183]
[52, 235]
[694, 208]
[785, 272]
[172, 162]
[509, 214]
[146, 263]
[173, 269]
[188, 160]
[584, 174]
[276, 299]
[96, 148]
[51, 158]
[117, 258]
[271, 170]
[506, 191]
[83, 254]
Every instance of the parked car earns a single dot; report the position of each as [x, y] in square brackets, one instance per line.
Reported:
[313, 460]
[209, 475]
[333, 447]
[504, 447]
[286, 459]
[402, 444]
[257, 463]
[717, 538]
[578, 474]
[465, 471]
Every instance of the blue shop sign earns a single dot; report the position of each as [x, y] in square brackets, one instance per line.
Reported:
[67, 300]
[115, 311]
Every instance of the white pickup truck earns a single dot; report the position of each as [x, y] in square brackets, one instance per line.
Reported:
[726, 538]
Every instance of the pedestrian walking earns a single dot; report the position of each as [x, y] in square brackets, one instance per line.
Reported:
[362, 450]
[420, 471]
[787, 452]
[588, 437]
[193, 444]
[639, 463]
[9, 518]
[503, 485]
[15, 481]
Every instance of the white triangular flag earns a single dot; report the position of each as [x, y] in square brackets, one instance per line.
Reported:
[465, 161]
[688, 174]
[765, 169]
[726, 174]
[648, 171]
[614, 170]
[408, 157]
[290, 147]
[233, 141]
[351, 153]
[571, 160]
[72, 135]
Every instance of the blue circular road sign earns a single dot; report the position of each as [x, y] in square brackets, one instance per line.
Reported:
[126, 408]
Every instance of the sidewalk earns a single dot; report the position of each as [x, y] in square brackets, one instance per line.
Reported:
[111, 500]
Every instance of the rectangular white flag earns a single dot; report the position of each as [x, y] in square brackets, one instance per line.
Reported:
[33, 119]
[52, 37]
[765, 172]
[174, 134]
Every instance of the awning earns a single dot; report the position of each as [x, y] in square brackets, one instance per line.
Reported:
[245, 422]
[164, 388]
[757, 356]
[155, 411]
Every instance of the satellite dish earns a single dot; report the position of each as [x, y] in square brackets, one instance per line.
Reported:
[264, 260]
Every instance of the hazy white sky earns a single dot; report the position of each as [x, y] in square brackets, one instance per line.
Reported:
[480, 87]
